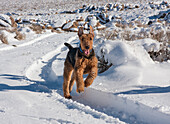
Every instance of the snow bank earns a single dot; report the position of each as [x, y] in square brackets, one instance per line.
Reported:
[149, 44]
[120, 52]
[132, 64]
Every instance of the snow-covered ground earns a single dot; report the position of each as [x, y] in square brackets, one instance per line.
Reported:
[135, 89]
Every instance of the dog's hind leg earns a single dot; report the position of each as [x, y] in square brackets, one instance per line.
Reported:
[72, 81]
[68, 69]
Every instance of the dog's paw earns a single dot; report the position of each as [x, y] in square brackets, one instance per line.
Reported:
[68, 97]
[87, 84]
[80, 89]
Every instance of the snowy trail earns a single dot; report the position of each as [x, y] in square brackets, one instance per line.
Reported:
[126, 110]
[41, 71]
[31, 72]
[49, 69]
[31, 85]
[27, 43]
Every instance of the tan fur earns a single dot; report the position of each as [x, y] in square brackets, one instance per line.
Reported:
[82, 66]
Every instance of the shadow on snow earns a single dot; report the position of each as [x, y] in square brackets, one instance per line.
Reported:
[37, 86]
[147, 90]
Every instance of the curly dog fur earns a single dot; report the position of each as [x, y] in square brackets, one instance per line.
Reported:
[80, 60]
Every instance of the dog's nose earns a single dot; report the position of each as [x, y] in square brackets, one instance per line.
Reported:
[87, 47]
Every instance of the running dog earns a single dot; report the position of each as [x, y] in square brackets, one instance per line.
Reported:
[80, 60]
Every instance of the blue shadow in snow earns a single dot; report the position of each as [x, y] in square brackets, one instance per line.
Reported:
[158, 16]
[147, 90]
[37, 86]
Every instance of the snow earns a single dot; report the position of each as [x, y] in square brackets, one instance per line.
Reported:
[68, 25]
[5, 20]
[150, 45]
[135, 89]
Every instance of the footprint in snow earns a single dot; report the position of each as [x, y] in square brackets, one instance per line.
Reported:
[2, 111]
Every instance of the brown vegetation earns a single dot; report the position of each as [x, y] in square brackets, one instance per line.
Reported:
[19, 36]
[3, 39]
[103, 65]
[37, 28]
[13, 23]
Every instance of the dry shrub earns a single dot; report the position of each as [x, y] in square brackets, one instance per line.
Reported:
[139, 24]
[2, 28]
[20, 9]
[3, 39]
[13, 23]
[75, 25]
[19, 36]
[18, 20]
[157, 35]
[104, 17]
[168, 36]
[143, 35]
[43, 26]
[56, 31]
[159, 21]
[37, 28]
[123, 7]
[127, 35]
[110, 35]
[131, 25]
[11, 30]
[119, 25]
[98, 24]
[162, 55]
[142, 25]
[80, 19]
[48, 27]
[103, 65]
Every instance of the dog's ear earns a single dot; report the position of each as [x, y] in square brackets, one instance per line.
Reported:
[80, 32]
[91, 31]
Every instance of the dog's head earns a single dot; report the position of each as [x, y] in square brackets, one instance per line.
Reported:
[86, 40]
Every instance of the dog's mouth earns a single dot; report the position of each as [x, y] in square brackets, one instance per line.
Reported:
[86, 51]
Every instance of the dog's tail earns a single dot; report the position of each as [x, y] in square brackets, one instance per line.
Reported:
[68, 45]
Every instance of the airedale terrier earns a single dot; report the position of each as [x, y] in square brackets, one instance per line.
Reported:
[80, 60]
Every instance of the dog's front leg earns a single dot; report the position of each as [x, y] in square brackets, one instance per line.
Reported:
[79, 79]
[92, 75]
